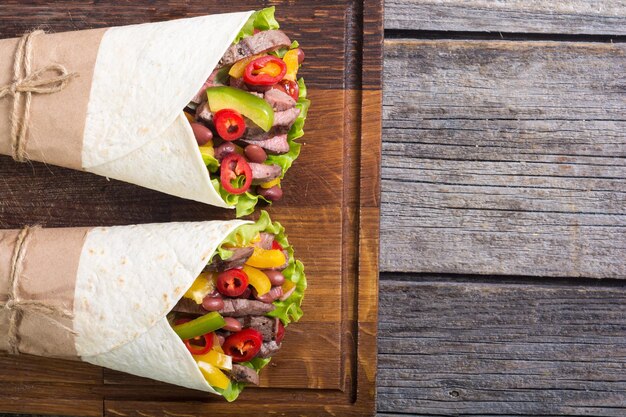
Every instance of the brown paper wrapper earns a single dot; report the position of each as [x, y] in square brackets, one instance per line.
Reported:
[48, 276]
[57, 120]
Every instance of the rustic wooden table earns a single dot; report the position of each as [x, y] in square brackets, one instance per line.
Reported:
[503, 204]
[503, 229]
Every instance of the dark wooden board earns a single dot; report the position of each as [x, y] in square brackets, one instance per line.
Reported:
[607, 17]
[328, 363]
[504, 158]
[490, 348]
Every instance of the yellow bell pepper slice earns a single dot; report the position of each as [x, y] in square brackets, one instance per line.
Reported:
[216, 344]
[203, 285]
[216, 358]
[291, 60]
[189, 117]
[271, 183]
[207, 149]
[258, 280]
[213, 375]
[288, 285]
[238, 68]
[264, 259]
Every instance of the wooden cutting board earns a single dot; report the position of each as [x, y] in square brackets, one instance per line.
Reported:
[331, 211]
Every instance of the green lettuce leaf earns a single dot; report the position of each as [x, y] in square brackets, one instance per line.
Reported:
[261, 20]
[280, 53]
[244, 203]
[211, 163]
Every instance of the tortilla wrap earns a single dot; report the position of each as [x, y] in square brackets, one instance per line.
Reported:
[121, 115]
[119, 283]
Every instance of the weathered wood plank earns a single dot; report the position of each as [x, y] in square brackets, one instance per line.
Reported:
[570, 17]
[504, 158]
[465, 347]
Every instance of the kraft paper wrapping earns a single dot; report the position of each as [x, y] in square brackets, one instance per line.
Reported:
[121, 116]
[119, 284]
[47, 276]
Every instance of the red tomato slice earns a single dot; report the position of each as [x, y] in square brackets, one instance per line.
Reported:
[289, 87]
[280, 332]
[232, 283]
[276, 245]
[244, 345]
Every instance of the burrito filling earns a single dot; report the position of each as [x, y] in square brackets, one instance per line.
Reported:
[249, 112]
[233, 318]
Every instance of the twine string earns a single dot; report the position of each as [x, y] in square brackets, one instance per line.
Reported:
[26, 83]
[14, 305]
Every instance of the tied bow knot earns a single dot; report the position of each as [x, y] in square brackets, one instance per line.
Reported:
[26, 83]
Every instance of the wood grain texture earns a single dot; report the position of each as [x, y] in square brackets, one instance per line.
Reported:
[501, 349]
[338, 330]
[544, 16]
[504, 158]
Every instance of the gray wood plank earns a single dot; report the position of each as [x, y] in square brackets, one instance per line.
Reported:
[504, 158]
[520, 16]
[456, 348]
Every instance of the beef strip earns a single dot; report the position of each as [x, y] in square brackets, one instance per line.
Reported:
[238, 258]
[238, 307]
[263, 173]
[287, 117]
[264, 325]
[204, 115]
[267, 40]
[238, 83]
[253, 132]
[210, 82]
[266, 241]
[268, 349]
[279, 100]
[241, 373]
[275, 145]
[187, 305]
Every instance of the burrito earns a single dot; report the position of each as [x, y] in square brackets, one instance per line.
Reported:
[203, 305]
[111, 101]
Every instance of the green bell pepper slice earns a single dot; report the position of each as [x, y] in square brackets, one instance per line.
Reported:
[202, 325]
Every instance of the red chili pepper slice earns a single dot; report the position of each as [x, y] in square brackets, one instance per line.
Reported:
[232, 283]
[200, 349]
[280, 332]
[244, 345]
[276, 245]
[229, 124]
[234, 165]
[267, 70]
[289, 87]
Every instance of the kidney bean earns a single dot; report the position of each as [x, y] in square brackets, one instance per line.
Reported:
[269, 297]
[255, 153]
[276, 278]
[213, 303]
[232, 324]
[246, 294]
[274, 193]
[202, 133]
[223, 150]
[300, 55]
